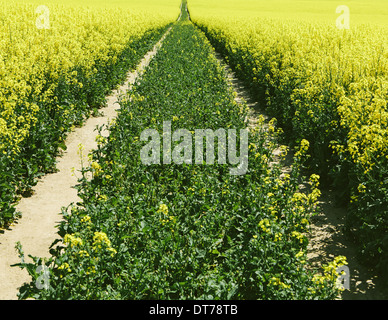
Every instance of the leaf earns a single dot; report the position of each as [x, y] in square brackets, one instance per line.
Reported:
[63, 146]
[232, 292]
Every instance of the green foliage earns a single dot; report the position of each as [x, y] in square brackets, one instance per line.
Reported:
[184, 231]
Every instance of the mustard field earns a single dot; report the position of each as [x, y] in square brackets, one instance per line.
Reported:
[180, 225]
[322, 83]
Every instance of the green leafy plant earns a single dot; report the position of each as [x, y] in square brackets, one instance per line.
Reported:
[174, 231]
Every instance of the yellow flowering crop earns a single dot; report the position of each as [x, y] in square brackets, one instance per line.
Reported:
[274, 281]
[327, 86]
[264, 225]
[164, 209]
[65, 266]
[33, 59]
[298, 236]
[100, 238]
[330, 271]
[86, 219]
[96, 168]
[72, 240]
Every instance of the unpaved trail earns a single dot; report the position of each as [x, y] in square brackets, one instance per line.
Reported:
[326, 238]
[41, 213]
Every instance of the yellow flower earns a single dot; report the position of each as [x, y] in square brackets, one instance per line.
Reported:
[72, 240]
[103, 197]
[100, 238]
[314, 180]
[163, 209]
[264, 225]
[91, 269]
[65, 266]
[278, 236]
[340, 260]
[96, 167]
[304, 221]
[361, 188]
[298, 236]
[305, 144]
[277, 282]
[113, 251]
[298, 197]
[100, 139]
[83, 253]
[86, 219]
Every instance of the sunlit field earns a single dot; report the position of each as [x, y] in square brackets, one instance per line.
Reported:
[156, 219]
[320, 68]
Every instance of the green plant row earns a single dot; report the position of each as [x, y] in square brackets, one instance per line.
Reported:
[70, 105]
[184, 231]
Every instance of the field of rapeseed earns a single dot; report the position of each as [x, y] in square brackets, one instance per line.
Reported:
[323, 84]
[178, 230]
[57, 64]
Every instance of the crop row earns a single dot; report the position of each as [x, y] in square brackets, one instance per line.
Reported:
[327, 86]
[184, 230]
[52, 79]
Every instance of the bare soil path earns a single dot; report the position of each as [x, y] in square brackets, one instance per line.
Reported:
[41, 213]
[327, 240]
